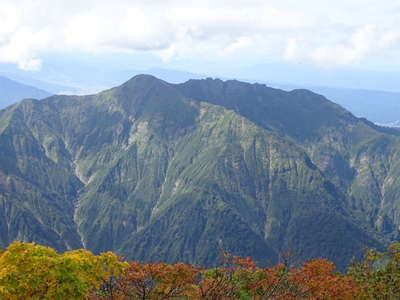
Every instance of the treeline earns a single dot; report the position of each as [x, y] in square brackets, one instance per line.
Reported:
[30, 271]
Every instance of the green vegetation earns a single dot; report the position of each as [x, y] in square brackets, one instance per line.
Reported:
[162, 172]
[28, 271]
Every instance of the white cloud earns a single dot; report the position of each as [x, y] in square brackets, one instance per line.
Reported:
[363, 42]
[322, 33]
[22, 46]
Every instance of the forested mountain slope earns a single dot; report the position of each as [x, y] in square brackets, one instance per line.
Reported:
[157, 171]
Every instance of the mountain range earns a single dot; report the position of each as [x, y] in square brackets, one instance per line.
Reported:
[12, 91]
[175, 172]
[381, 107]
[378, 106]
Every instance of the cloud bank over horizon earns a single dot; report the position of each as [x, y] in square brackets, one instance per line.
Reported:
[346, 33]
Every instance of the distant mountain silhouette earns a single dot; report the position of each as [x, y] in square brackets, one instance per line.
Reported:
[12, 91]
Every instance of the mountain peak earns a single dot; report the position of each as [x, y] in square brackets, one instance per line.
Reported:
[143, 79]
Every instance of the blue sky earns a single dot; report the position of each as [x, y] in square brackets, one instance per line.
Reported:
[58, 40]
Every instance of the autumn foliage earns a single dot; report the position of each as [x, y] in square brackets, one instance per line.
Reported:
[30, 271]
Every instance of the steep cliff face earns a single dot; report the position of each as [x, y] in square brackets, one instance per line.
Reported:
[357, 157]
[156, 171]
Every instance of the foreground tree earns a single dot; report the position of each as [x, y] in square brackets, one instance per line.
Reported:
[29, 271]
[239, 278]
[151, 281]
[318, 280]
[315, 280]
[378, 274]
